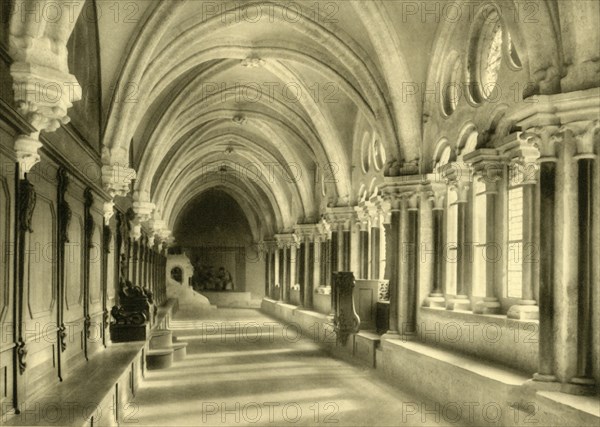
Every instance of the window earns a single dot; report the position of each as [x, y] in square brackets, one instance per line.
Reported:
[485, 56]
[365, 151]
[452, 89]
[479, 238]
[515, 237]
[451, 252]
[378, 154]
[513, 55]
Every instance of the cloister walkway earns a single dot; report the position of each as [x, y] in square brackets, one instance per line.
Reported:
[244, 368]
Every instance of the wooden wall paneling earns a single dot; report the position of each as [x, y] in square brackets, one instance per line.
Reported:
[37, 347]
[95, 278]
[62, 238]
[107, 277]
[7, 289]
[73, 316]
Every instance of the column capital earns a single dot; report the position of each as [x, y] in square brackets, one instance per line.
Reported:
[584, 132]
[306, 231]
[287, 240]
[521, 149]
[546, 140]
[342, 216]
[488, 167]
[142, 206]
[435, 192]
[458, 177]
[395, 189]
[324, 229]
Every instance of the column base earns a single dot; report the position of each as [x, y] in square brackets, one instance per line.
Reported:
[541, 382]
[460, 302]
[487, 306]
[580, 386]
[435, 300]
[544, 378]
[524, 311]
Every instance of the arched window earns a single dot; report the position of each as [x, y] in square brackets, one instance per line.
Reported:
[365, 150]
[378, 154]
[514, 286]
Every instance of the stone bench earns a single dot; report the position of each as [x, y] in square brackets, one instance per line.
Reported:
[96, 393]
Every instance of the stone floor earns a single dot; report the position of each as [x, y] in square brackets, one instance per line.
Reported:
[243, 368]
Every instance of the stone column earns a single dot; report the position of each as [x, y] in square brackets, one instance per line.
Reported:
[309, 262]
[276, 278]
[316, 245]
[547, 139]
[392, 238]
[461, 185]
[584, 133]
[375, 251]
[524, 158]
[293, 250]
[364, 250]
[489, 169]
[267, 255]
[408, 265]
[437, 198]
[285, 285]
[333, 252]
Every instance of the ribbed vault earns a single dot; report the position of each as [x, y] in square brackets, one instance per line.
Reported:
[256, 107]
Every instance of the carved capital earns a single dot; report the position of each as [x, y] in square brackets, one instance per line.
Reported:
[545, 139]
[43, 94]
[584, 133]
[461, 187]
[436, 193]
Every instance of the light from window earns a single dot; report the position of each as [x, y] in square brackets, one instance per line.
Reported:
[480, 239]
[451, 251]
[515, 242]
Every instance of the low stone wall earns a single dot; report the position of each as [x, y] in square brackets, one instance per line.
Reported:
[468, 389]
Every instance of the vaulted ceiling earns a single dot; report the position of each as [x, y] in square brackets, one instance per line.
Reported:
[259, 99]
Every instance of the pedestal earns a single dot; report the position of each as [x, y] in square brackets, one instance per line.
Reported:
[460, 302]
[524, 311]
[127, 333]
[487, 306]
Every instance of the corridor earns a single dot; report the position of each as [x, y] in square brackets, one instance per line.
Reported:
[238, 374]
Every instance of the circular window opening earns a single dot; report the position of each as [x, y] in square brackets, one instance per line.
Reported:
[365, 158]
[485, 57]
[378, 155]
[452, 90]
[513, 56]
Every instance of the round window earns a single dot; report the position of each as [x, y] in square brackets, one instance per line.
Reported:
[364, 149]
[452, 90]
[378, 155]
[485, 57]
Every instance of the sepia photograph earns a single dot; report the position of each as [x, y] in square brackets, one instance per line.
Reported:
[356, 213]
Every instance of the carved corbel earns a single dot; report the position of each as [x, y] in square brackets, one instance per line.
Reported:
[89, 218]
[64, 210]
[21, 356]
[116, 173]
